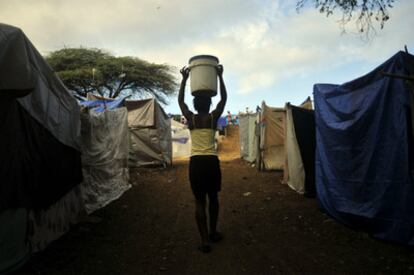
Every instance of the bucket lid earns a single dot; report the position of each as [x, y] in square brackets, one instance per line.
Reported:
[203, 56]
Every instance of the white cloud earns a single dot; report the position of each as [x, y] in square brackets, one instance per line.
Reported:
[262, 44]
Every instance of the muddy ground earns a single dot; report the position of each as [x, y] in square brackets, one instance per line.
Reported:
[268, 229]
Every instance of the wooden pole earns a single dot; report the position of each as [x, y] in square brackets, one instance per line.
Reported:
[405, 77]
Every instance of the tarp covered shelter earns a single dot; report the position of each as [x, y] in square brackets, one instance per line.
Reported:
[364, 152]
[248, 138]
[181, 139]
[150, 132]
[149, 129]
[287, 142]
[105, 148]
[272, 138]
[300, 142]
[39, 147]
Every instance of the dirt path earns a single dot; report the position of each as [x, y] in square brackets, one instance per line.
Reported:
[269, 229]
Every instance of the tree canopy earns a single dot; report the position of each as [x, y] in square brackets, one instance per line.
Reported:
[85, 70]
[363, 12]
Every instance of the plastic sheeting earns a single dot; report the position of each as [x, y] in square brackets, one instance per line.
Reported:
[23, 231]
[104, 157]
[14, 250]
[101, 105]
[36, 169]
[50, 224]
[221, 123]
[272, 137]
[300, 149]
[181, 140]
[40, 127]
[295, 169]
[364, 155]
[247, 134]
[150, 134]
[304, 123]
[50, 103]
[17, 77]
[39, 142]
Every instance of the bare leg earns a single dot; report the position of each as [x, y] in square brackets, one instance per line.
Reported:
[213, 207]
[201, 220]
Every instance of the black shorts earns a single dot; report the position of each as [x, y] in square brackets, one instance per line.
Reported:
[205, 175]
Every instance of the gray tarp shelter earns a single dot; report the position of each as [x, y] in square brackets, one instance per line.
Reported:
[40, 162]
[248, 138]
[105, 147]
[150, 133]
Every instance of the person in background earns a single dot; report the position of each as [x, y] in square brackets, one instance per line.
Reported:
[204, 168]
[183, 120]
[236, 120]
[229, 118]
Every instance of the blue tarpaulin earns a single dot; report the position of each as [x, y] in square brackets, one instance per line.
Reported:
[101, 105]
[221, 123]
[364, 152]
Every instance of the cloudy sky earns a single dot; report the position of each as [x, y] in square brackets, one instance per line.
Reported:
[268, 50]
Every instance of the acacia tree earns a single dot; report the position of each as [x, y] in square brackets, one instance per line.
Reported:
[85, 70]
[364, 12]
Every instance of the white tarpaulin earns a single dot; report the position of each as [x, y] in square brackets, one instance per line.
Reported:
[150, 133]
[181, 139]
[248, 139]
[295, 174]
[104, 157]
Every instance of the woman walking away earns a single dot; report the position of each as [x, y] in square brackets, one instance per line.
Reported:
[204, 168]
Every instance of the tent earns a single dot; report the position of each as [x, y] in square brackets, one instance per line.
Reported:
[247, 134]
[287, 142]
[150, 133]
[105, 150]
[299, 172]
[364, 151]
[181, 140]
[149, 129]
[40, 150]
[272, 138]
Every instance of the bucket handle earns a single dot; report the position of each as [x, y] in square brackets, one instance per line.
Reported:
[202, 64]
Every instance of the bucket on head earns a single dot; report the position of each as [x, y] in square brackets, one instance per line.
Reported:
[203, 74]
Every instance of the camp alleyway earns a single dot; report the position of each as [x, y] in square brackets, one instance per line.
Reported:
[268, 229]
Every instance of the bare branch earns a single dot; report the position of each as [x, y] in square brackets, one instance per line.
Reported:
[368, 15]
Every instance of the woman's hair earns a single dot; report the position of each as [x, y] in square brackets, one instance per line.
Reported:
[202, 103]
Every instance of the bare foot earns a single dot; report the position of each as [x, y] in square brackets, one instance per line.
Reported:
[215, 237]
[205, 248]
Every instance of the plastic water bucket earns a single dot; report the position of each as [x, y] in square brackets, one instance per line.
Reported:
[203, 74]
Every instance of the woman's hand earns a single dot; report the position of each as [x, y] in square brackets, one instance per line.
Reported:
[219, 69]
[185, 72]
